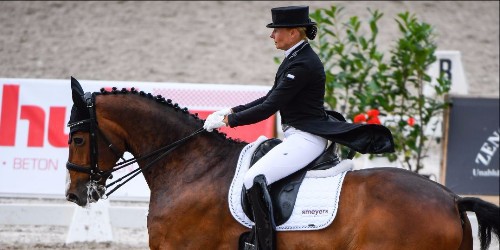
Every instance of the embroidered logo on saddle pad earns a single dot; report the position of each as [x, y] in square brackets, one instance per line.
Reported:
[317, 198]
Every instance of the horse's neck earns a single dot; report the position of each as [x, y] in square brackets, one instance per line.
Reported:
[200, 164]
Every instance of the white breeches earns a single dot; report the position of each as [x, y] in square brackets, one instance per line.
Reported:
[298, 149]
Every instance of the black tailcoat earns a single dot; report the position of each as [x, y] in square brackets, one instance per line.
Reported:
[298, 94]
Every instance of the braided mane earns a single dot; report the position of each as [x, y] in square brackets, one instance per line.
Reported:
[167, 102]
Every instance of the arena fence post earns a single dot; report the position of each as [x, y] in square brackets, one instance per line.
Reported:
[91, 224]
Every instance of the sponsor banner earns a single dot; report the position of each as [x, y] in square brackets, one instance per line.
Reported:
[471, 164]
[34, 136]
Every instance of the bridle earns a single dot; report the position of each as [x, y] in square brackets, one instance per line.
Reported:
[96, 175]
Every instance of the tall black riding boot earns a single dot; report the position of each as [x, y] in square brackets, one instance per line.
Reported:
[262, 208]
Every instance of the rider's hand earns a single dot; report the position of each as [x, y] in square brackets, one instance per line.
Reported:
[223, 112]
[214, 121]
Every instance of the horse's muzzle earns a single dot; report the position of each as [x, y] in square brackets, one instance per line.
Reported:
[74, 198]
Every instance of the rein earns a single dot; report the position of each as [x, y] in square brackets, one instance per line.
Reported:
[164, 152]
[94, 172]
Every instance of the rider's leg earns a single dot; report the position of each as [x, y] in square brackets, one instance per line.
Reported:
[295, 152]
[262, 209]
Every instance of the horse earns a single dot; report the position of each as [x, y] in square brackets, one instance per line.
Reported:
[189, 171]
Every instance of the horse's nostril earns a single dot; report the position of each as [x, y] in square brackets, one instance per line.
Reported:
[72, 198]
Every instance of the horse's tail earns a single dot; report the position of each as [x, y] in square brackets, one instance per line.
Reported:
[488, 218]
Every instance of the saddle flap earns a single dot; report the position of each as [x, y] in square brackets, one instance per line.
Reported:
[263, 149]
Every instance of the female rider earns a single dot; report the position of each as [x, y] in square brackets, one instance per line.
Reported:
[298, 94]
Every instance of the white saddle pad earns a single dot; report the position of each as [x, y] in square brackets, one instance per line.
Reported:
[317, 199]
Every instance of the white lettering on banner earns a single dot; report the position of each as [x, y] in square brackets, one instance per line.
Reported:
[488, 149]
[485, 173]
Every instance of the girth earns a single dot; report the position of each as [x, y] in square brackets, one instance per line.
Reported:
[284, 192]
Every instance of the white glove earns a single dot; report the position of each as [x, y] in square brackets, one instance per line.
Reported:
[223, 112]
[213, 121]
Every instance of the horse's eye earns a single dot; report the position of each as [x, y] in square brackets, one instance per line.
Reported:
[78, 141]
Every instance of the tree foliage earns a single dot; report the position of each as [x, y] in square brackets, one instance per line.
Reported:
[364, 82]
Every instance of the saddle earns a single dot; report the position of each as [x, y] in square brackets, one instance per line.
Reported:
[284, 192]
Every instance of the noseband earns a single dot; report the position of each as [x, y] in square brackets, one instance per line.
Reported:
[90, 125]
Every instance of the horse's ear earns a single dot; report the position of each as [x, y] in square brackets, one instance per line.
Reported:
[77, 93]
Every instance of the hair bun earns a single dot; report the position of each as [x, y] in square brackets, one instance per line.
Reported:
[311, 32]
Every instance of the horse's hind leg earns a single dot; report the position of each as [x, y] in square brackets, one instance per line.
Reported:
[466, 233]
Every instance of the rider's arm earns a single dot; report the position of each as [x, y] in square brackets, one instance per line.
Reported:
[294, 80]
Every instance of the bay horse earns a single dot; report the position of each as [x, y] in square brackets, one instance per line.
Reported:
[381, 208]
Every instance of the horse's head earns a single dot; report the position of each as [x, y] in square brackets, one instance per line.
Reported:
[103, 125]
[91, 154]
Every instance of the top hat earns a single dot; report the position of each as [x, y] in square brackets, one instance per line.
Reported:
[291, 16]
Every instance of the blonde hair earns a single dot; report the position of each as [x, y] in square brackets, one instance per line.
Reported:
[302, 32]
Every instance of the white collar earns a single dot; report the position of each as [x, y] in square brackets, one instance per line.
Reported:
[288, 51]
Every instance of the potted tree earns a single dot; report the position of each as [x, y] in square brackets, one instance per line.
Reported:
[370, 86]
